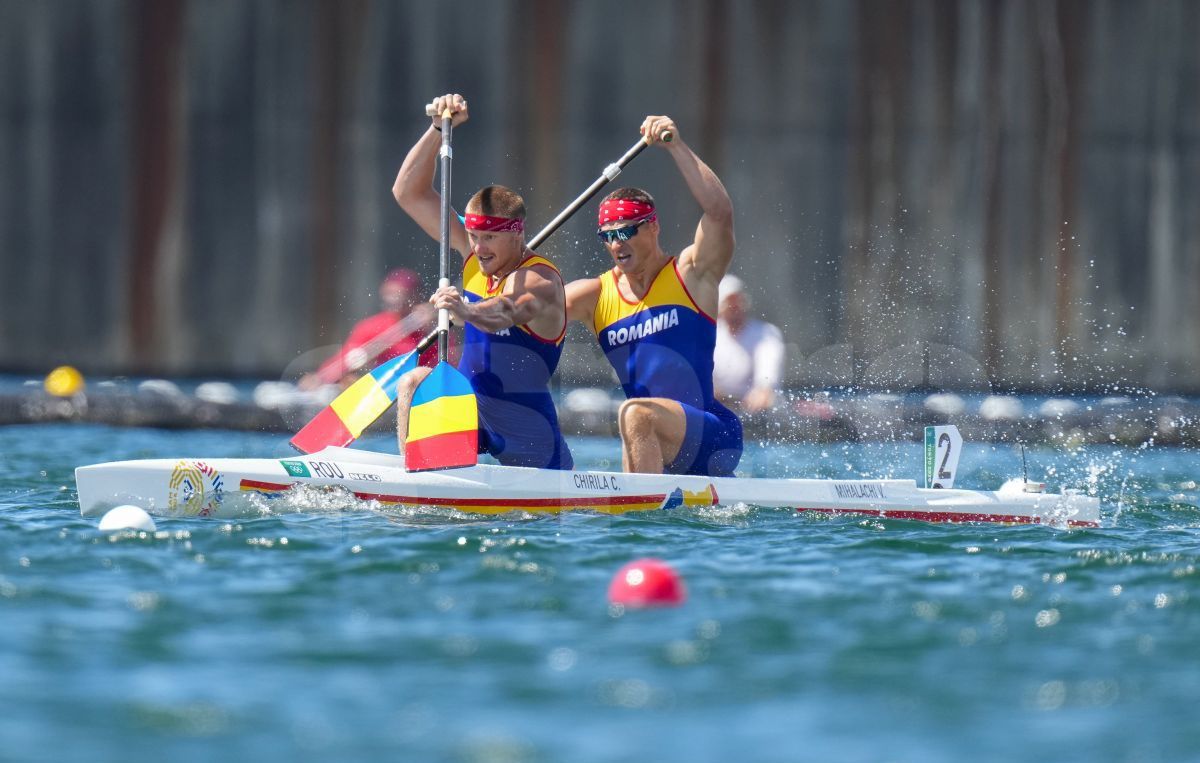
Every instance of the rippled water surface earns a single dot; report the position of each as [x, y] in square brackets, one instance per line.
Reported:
[348, 633]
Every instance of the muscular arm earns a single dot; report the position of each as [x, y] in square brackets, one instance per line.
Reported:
[415, 193]
[491, 314]
[711, 251]
[533, 297]
[582, 296]
[702, 263]
[538, 299]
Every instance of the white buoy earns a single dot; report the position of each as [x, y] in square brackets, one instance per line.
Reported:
[945, 403]
[1057, 407]
[127, 517]
[277, 394]
[217, 392]
[1001, 408]
[161, 387]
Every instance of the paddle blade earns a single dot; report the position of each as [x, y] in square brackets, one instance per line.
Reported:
[443, 423]
[342, 421]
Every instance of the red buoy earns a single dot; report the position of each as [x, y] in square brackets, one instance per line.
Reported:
[647, 583]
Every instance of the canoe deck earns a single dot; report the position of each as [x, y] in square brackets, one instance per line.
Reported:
[229, 486]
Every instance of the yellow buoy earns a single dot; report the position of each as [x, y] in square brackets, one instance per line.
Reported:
[63, 381]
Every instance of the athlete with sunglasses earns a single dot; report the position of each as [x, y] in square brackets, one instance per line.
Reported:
[654, 316]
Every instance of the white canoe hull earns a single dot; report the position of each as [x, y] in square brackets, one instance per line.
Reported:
[231, 486]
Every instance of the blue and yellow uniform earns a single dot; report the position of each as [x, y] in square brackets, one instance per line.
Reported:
[662, 346]
[510, 372]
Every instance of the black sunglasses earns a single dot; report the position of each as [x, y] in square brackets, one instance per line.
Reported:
[624, 233]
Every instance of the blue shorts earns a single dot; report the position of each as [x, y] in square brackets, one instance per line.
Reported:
[712, 444]
[522, 435]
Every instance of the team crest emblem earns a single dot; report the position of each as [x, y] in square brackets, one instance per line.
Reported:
[195, 489]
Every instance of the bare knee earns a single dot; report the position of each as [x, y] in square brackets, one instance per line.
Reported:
[408, 383]
[636, 418]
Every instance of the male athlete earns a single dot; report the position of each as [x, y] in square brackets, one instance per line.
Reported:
[512, 308]
[654, 316]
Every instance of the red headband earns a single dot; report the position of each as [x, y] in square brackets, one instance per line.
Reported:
[489, 223]
[616, 210]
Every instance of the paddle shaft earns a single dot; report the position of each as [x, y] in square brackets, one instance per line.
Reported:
[446, 153]
[606, 177]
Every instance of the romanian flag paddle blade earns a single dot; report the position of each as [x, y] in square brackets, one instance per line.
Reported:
[443, 423]
[342, 421]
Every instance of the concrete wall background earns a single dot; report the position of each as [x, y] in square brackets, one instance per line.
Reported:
[964, 194]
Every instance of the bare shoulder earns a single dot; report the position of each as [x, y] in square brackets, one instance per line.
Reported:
[537, 279]
[546, 271]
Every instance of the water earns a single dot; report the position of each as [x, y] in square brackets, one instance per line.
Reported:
[356, 635]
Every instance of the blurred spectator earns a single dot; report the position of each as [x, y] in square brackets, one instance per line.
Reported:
[404, 321]
[748, 357]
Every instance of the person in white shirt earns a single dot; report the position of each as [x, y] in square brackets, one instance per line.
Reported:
[748, 357]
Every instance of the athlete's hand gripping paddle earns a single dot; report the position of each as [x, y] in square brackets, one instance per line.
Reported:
[443, 420]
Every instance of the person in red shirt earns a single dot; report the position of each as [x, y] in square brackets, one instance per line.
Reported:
[397, 329]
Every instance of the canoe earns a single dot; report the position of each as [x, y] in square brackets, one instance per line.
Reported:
[189, 487]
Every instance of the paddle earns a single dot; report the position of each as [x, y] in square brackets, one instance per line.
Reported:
[443, 419]
[343, 420]
[359, 405]
[606, 177]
